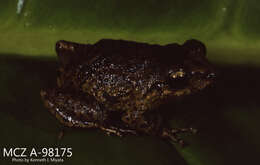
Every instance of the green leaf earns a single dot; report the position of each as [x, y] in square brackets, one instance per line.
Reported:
[225, 115]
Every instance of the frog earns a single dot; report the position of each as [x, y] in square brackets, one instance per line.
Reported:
[118, 86]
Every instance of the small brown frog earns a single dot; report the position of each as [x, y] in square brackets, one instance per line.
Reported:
[118, 86]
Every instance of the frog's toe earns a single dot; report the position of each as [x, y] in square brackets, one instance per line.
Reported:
[117, 131]
[173, 134]
[184, 130]
[172, 137]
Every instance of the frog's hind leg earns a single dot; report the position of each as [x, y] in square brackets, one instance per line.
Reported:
[80, 112]
[70, 111]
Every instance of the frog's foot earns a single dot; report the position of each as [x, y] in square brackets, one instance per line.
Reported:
[173, 134]
[117, 131]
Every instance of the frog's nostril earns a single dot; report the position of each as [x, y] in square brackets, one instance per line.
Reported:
[211, 75]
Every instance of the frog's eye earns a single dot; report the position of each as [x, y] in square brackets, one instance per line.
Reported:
[178, 74]
[178, 79]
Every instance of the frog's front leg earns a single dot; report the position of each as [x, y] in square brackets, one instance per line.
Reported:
[151, 124]
[143, 123]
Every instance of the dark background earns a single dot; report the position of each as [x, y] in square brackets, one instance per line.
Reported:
[226, 115]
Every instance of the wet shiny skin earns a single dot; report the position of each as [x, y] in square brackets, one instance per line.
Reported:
[117, 85]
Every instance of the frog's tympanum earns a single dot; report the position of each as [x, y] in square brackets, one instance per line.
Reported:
[118, 86]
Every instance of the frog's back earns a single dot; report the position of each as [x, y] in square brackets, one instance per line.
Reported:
[120, 74]
[122, 52]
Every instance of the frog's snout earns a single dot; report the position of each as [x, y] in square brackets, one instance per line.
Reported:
[200, 81]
